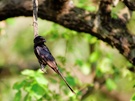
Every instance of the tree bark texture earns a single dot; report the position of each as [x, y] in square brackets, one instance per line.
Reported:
[99, 24]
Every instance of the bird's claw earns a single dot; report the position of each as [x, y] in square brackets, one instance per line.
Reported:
[42, 68]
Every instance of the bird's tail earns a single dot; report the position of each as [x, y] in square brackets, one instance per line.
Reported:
[57, 71]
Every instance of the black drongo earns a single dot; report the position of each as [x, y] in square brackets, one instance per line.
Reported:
[45, 57]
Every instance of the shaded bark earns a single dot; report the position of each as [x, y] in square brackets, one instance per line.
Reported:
[99, 24]
[130, 4]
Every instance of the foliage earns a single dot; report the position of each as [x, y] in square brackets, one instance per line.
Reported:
[78, 56]
[37, 87]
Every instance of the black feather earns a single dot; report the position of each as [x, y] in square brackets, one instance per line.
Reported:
[45, 57]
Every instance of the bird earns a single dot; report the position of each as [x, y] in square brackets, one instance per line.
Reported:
[45, 57]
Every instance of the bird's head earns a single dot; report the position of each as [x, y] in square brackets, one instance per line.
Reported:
[39, 40]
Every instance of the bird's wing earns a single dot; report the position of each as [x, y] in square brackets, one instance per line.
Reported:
[46, 56]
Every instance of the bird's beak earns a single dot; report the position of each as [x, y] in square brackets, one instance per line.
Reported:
[44, 40]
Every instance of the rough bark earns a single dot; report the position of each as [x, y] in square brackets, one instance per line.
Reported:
[99, 24]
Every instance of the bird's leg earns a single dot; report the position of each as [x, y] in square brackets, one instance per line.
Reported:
[43, 68]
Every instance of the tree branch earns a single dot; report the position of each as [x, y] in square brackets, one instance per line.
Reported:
[130, 4]
[100, 24]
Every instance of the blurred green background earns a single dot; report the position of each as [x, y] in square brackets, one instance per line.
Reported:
[96, 71]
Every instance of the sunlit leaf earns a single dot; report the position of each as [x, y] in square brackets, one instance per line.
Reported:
[85, 68]
[90, 8]
[105, 66]
[94, 57]
[28, 72]
[41, 80]
[133, 98]
[27, 97]
[10, 20]
[110, 84]
[17, 96]
[114, 15]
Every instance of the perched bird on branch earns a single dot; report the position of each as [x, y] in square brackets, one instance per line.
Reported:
[45, 57]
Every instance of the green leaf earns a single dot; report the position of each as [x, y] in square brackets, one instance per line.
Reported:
[37, 91]
[19, 85]
[86, 68]
[41, 80]
[56, 96]
[99, 73]
[71, 80]
[133, 98]
[17, 96]
[114, 15]
[90, 8]
[28, 72]
[66, 36]
[110, 84]
[93, 40]
[94, 57]
[28, 84]
[105, 65]
[27, 97]
[10, 21]
[79, 62]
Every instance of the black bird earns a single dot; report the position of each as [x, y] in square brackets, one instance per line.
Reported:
[45, 57]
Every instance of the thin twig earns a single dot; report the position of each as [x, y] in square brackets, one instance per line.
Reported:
[35, 17]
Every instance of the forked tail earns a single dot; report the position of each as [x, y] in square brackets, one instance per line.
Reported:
[58, 72]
